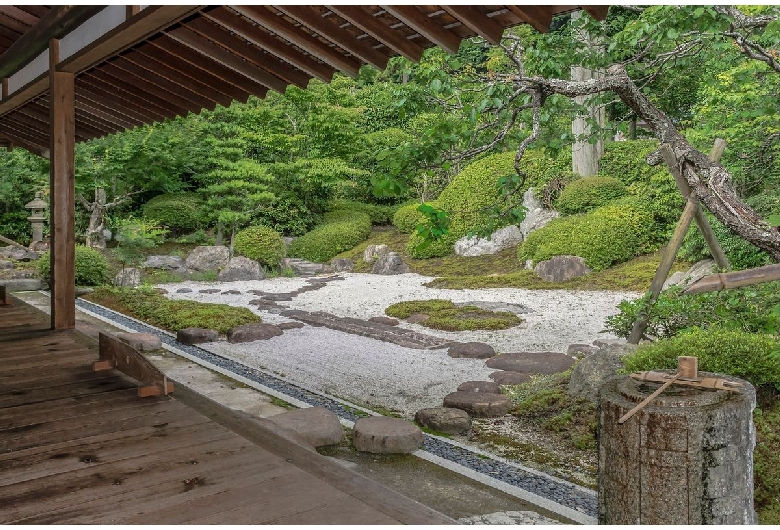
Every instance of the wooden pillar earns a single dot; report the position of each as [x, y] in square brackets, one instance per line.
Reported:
[62, 184]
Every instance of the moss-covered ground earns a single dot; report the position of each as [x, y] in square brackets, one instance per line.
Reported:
[446, 316]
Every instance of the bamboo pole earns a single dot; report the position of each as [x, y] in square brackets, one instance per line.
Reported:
[732, 280]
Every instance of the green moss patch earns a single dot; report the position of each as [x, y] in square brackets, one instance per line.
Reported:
[446, 316]
[172, 315]
[766, 458]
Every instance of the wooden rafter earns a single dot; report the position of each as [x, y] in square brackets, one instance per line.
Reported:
[328, 28]
[478, 22]
[114, 100]
[597, 12]
[138, 95]
[539, 17]
[276, 24]
[422, 24]
[356, 16]
[35, 149]
[19, 14]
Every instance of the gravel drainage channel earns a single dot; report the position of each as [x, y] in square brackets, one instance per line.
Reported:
[568, 500]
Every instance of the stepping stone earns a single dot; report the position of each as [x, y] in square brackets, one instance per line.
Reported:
[471, 350]
[416, 318]
[263, 304]
[252, 332]
[307, 288]
[581, 350]
[232, 291]
[384, 320]
[289, 325]
[504, 377]
[531, 362]
[379, 434]
[477, 404]
[279, 297]
[485, 387]
[196, 335]
[184, 290]
[258, 292]
[443, 419]
[317, 425]
[140, 341]
[208, 291]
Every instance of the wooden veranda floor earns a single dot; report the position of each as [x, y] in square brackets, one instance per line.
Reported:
[78, 446]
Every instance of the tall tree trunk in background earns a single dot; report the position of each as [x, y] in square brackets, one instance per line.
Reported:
[585, 155]
[95, 236]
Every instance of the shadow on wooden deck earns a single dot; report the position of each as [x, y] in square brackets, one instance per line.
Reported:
[79, 446]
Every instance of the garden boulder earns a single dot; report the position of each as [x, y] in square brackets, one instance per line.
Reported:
[444, 419]
[699, 270]
[342, 265]
[208, 258]
[389, 264]
[378, 434]
[129, 277]
[196, 335]
[318, 426]
[502, 239]
[240, 268]
[561, 268]
[140, 341]
[536, 216]
[301, 267]
[253, 332]
[163, 262]
[592, 372]
[478, 404]
[372, 252]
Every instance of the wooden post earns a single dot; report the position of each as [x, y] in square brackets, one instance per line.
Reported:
[62, 183]
[5, 87]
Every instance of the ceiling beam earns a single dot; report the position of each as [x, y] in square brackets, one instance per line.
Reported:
[276, 24]
[597, 12]
[328, 28]
[18, 14]
[539, 17]
[145, 114]
[138, 81]
[35, 149]
[476, 21]
[55, 24]
[425, 26]
[102, 87]
[118, 83]
[366, 22]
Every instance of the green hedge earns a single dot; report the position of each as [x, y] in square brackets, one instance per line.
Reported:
[588, 193]
[379, 214]
[751, 356]
[341, 230]
[178, 212]
[474, 189]
[407, 217]
[91, 266]
[605, 236]
[260, 243]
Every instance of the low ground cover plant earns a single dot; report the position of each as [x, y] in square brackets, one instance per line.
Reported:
[588, 193]
[446, 316]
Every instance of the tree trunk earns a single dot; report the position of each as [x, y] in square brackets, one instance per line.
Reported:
[220, 236]
[95, 236]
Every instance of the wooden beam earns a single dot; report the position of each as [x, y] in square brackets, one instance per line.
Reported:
[119, 105]
[57, 23]
[276, 24]
[732, 280]
[112, 120]
[422, 24]
[597, 12]
[131, 11]
[283, 60]
[35, 149]
[356, 16]
[13, 128]
[106, 84]
[328, 28]
[475, 20]
[139, 82]
[227, 59]
[20, 15]
[63, 194]
[114, 353]
[5, 87]
[539, 17]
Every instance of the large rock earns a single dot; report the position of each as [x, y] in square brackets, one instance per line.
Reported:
[140, 341]
[129, 277]
[302, 267]
[581, 350]
[471, 350]
[372, 252]
[699, 270]
[379, 434]
[196, 335]
[208, 258]
[390, 263]
[531, 362]
[163, 262]
[485, 387]
[536, 216]
[253, 332]
[342, 265]
[592, 372]
[11, 252]
[503, 238]
[240, 269]
[478, 404]
[318, 426]
[6, 264]
[561, 268]
[444, 419]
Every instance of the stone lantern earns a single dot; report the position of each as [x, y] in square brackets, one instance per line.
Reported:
[37, 208]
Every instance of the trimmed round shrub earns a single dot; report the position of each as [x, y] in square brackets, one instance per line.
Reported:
[287, 214]
[588, 193]
[178, 212]
[605, 236]
[751, 356]
[91, 266]
[260, 243]
[379, 214]
[407, 217]
[341, 230]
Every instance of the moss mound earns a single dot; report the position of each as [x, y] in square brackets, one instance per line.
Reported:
[341, 230]
[379, 214]
[260, 243]
[587, 193]
[178, 212]
[446, 316]
[407, 217]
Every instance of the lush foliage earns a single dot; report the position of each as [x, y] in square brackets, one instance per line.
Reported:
[754, 309]
[91, 266]
[379, 214]
[407, 217]
[603, 237]
[445, 315]
[134, 236]
[751, 356]
[588, 193]
[340, 230]
[147, 305]
[178, 212]
[260, 243]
